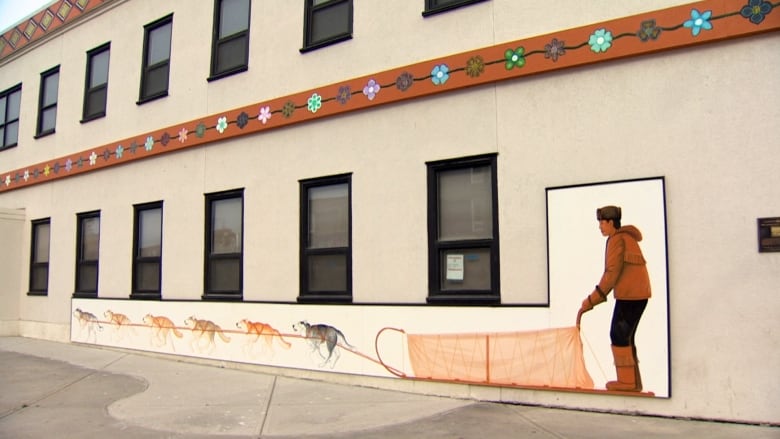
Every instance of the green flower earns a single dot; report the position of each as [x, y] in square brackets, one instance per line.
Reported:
[514, 58]
[315, 102]
[200, 130]
[222, 124]
[600, 41]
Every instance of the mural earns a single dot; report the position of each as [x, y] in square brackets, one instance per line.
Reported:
[613, 235]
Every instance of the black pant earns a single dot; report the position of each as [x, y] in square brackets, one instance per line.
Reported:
[625, 319]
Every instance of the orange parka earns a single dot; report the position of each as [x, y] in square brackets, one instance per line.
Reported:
[625, 269]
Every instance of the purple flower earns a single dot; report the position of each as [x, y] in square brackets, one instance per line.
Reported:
[554, 49]
[371, 89]
[242, 120]
[404, 81]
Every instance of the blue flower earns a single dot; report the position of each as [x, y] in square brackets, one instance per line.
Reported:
[756, 10]
[440, 74]
[149, 144]
[698, 21]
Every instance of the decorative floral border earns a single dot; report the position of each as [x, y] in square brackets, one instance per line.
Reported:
[630, 36]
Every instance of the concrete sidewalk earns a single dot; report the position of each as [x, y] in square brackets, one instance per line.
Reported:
[76, 391]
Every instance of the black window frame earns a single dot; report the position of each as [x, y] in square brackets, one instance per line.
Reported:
[138, 260]
[38, 266]
[5, 121]
[436, 295]
[148, 69]
[217, 43]
[213, 294]
[433, 7]
[89, 114]
[81, 262]
[305, 294]
[310, 12]
[43, 106]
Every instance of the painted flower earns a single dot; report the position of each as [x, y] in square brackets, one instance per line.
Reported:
[46, 170]
[106, 154]
[36, 172]
[440, 74]
[222, 124]
[200, 130]
[80, 162]
[514, 58]
[183, 135]
[92, 158]
[371, 89]
[68, 165]
[165, 139]
[475, 66]
[756, 10]
[344, 94]
[600, 41]
[698, 21]
[8, 180]
[288, 109]
[314, 102]
[149, 143]
[26, 174]
[242, 120]
[56, 168]
[265, 114]
[404, 81]
[554, 49]
[648, 31]
[119, 151]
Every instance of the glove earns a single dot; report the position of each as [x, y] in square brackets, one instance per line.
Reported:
[592, 300]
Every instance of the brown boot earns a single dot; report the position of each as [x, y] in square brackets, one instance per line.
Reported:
[626, 368]
[636, 369]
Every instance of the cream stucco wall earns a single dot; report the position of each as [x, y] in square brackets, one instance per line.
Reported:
[702, 118]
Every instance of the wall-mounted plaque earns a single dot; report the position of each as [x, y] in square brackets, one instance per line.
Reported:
[769, 234]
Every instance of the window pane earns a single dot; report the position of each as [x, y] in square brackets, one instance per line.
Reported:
[50, 87]
[90, 239]
[3, 102]
[231, 54]
[156, 80]
[41, 243]
[96, 102]
[39, 280]
[14, 99]
[99, 69]
[330, 22]
[48, 119]
[224, 275]
[328, 273]
[226, 226]
[11, 134]
[88, 274]
[329, 216]
[465, 269]
[159, 48]
[234, 17]
[465, 204]
[147, 276]
[150, 233]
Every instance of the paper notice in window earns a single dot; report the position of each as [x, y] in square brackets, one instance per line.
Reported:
[455, 267]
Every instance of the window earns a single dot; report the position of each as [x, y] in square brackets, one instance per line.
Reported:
[47, 103]
[87, 252]
[230, 46]
[436, 6]
[326, 22]
[9, 116]
[157, 57]
[96, 88]
[147, 251]
[463, 231]
[39, 257]
[224, 245]
[326, 240]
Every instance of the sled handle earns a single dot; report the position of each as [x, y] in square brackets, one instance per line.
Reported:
[389, 368]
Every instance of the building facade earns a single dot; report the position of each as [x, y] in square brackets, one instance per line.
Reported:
[413, 184]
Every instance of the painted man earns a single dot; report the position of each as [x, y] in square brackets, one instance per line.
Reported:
[625, 272]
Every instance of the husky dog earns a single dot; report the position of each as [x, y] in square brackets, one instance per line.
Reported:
[89, 322]
[320, 334]
[204, 331]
